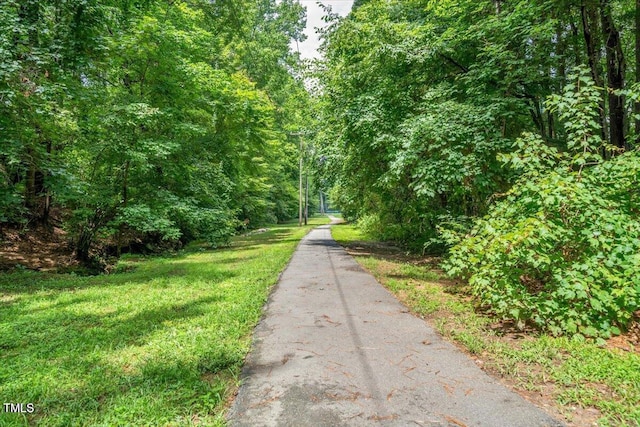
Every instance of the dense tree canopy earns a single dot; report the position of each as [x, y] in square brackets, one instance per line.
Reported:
[425, 94]
[502, 133]
[148, 120]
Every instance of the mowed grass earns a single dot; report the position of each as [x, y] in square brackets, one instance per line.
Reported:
[578, 381]
[159, 343]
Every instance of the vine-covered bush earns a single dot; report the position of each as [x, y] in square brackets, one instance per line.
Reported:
[562, 249]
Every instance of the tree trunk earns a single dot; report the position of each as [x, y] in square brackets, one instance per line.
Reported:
[561, 52]
[83, 245]
[306, 200]
[589, 26]
[535, 109]
[588, 13]
[636, 107]
[46, 208]
[30, 184]
[615, 75]
[125, 202]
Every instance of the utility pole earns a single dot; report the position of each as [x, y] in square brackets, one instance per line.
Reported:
[300, 189]
[306, 199]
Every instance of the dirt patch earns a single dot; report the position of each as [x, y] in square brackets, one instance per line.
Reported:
[629, 341]
[389, 251]
[37, 248]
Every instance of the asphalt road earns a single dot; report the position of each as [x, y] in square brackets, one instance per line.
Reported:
[337, 349]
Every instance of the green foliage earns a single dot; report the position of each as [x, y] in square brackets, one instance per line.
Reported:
[561, 249]
[416, 108]
[437, 113]
[419, 96]
[166, 121]
[449, 153]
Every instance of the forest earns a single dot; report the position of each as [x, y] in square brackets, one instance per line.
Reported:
[149, 123]
[502, 135]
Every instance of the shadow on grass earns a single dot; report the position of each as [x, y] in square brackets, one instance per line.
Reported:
[69, 359]
[276, 235]
[71, 334]
[30, 282]
[406, 265]
[271, 236]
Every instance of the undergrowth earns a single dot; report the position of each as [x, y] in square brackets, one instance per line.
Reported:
[561, 250]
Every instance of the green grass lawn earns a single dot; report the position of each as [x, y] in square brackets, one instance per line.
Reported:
[160, 342]
[581, 381]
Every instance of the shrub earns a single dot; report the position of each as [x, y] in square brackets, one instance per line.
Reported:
[562, 249]
[561, 252]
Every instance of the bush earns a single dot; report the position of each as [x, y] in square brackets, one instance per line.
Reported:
[563, 252]
[562, 249]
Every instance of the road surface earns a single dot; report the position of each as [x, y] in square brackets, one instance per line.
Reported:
[335, 348]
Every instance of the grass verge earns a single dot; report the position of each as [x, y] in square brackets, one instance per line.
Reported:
[160, 342]
[578, 381]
